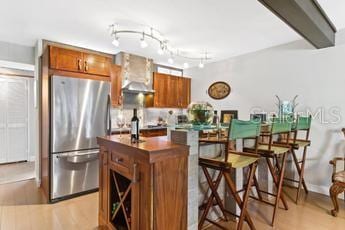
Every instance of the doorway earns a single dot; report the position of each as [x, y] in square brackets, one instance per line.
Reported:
[16, 162]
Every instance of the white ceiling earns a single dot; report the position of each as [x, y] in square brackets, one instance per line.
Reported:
[224, 28]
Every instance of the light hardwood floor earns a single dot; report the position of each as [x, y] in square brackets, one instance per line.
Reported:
[14, 172]
[313, 212]
[22, 207]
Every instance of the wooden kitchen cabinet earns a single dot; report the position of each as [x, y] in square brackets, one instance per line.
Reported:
[153, 132]
[96, 64]
[65, 59]
[170, 92]
[146, 184]
[184, 91]
[173, 95]
[116, 85]
[160, 85]
[103, 183]
[78, 61]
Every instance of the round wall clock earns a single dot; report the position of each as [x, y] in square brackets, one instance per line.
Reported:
[219, 90]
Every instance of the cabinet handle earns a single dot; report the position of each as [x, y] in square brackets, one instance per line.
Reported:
[86, 67]
[79, 64]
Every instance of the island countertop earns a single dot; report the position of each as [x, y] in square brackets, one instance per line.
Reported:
[148, 148]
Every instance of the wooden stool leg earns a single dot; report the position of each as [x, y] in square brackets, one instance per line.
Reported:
[280, 185]
[256, 183]
[299, 167]
[275, 181]
[301, 176]
[334, 191]
[237, 198]
[213, 186]
[246, 196]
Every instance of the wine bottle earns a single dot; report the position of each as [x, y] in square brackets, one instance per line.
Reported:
[134, 127]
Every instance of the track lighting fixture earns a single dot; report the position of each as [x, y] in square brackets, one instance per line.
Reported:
[164, 47]
[143, 43]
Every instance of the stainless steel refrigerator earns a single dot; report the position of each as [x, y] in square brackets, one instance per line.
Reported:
[80, 111]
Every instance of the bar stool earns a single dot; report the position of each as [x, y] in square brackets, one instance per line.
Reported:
[273, 151]
[224, 166]
[301, 124]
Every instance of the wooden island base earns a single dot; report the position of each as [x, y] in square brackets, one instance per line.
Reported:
[144, 185]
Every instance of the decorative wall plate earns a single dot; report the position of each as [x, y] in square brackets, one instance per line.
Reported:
[219, 90]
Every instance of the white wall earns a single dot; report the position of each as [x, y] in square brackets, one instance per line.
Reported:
[16, 53]
[317, 76]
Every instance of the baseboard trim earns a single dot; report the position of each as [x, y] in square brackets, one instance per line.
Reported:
[322, 190]
[38, 182]
[32, 158]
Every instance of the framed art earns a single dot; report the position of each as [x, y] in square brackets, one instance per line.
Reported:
[219, 90]
[227, 115]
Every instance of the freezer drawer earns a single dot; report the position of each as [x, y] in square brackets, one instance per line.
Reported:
[74, 172]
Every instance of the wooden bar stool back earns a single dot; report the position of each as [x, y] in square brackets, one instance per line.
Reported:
[223, 166]
[272, 152]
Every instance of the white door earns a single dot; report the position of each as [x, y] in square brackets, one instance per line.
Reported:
[13, 120]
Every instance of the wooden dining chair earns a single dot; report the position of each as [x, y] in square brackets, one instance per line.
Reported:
[223, 166]
[338, 180]
[273, 153]
[302, 124]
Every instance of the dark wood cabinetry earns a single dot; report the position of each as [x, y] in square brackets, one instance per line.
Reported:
[184, 91]
[153, 132]
[103, 183]
[116, 85]
[142, 186]
[146, 132]
[65, 59]
[170, 92]
[77, 61]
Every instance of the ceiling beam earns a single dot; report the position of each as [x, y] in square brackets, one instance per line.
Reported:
[307, 18]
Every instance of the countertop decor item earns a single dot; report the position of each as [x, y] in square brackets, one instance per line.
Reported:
[219, 90]
[200, 113]
[227, 115]
[286, 107]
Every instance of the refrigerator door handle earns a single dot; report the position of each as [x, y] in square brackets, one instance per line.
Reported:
[79, 158]
[83, 158]
[108, 117]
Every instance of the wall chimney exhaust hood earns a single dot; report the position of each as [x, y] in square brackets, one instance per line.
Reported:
[136, 73]
[136, 87]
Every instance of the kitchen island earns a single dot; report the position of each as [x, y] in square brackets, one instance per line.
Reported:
[142, 185]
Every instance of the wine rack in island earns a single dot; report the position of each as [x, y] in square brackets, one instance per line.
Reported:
[121, 200]
[142, 185]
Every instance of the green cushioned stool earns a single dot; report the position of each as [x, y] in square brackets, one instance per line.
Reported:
[273, 154]
[223, 166]
[302, 124]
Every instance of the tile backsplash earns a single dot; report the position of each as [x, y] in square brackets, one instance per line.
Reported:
[147, 116]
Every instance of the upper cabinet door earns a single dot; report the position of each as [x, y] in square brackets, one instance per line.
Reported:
[170, 91]
[116, 85]
[173, 94]
[160, 85]
[184, 92]
[65, 59]
[96, 64]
